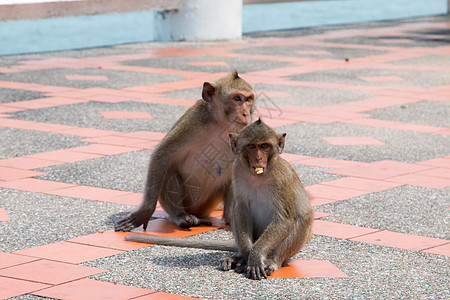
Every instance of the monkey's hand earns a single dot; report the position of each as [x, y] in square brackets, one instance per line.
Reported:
[256, 268]
[132, 221]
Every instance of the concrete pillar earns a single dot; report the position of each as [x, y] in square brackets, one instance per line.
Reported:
[200, 20]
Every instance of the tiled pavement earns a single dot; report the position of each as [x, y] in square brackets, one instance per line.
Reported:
[366, 109]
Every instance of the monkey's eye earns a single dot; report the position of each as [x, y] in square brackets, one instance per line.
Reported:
[249, 99]
[251, 146]
[237, 98]
[265, 146]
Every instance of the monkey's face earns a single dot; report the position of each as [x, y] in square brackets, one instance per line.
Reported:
[239, 108]
[257, 144]
[258, 155]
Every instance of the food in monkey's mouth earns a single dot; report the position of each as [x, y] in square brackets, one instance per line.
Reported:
[259, 171]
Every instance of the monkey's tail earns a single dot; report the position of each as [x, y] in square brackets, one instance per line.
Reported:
[182, 242]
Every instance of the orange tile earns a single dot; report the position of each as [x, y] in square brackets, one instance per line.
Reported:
[103, 149]
[331, 163]
[89, 193]
[145, 135]
[422, 180]
[87, 132]
[7, 173]
[134, 199]
[49, 272]
[92, 289]
[404, 167]
[163, 227]
[394, 125]
[163, 296]
[28, 163]
[207, 63]
[11, 287]
[4, 214]
[37, 126]
[126, 115]
[65, 156]
[108, 98]
[35, 185]
[309, 269]
[440, 250]
[316, 119]
[339, 114]
[11, 259]
[443, 131]
[319, 214]
[108, 239]
[352, 141]
[331, 192]
[338, 230]
[272, 94]
[145, 144]
[381, 78]
[400, 240]
[436, 172]
[113, 140]
[316, 201]
[295, 158]
[86, 77]
[313, 52]
[34, 104]
[362, 184]
[380, 170]
[68, 252]
[7, 109]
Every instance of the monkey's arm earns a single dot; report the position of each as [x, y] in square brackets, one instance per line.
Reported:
[182, 242]
[274, 234]
[243, 231]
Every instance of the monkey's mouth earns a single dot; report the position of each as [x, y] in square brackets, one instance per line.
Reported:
[241, 124]
[259, 170]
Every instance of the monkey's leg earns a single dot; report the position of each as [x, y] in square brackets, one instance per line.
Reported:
[228, 204]
[173, 200]
[291, 245]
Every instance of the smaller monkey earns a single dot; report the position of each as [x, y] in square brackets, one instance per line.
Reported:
[271, 215]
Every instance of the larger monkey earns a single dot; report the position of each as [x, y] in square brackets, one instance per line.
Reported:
[190, 169]
[271, 216]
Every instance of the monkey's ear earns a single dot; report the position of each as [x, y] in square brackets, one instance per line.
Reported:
[209, 91]
[233, 142]
[281, 142]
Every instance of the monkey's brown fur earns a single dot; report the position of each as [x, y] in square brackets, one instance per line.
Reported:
[271, 215]
[190, 169]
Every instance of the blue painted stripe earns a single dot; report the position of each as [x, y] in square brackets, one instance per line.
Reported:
[289, 15]
[55, 34]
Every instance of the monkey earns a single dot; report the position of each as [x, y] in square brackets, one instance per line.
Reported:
[271, 215]
[190, 169]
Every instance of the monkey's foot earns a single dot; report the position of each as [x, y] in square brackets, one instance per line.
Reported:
[271, 267]
[229, 263]
[133, 220]
[187, 221]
